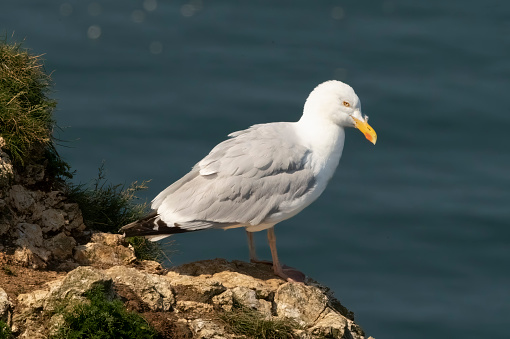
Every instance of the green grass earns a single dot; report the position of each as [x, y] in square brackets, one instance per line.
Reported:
[252, 324]
[101, 318]
[5, 332]
[106, 207]
[146, 249]
[25, 108]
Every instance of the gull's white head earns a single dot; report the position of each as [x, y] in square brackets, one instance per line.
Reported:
[336, 102]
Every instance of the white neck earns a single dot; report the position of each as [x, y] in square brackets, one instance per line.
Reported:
[325, 140]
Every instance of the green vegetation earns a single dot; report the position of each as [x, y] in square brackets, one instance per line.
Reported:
[146, 249]
[101, 318]
[25, 110]
[246, 321]
[107, 207]
[5, 331]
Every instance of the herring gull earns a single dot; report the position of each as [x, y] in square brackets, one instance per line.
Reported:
[262, 175]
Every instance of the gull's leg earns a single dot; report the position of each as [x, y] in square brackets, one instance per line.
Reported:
[251, 246]
[253, 252]
[288, 274]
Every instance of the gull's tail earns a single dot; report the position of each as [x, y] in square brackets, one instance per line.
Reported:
[151, 227]
[154, 228]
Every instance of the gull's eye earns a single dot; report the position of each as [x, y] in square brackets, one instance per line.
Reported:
[346, 104]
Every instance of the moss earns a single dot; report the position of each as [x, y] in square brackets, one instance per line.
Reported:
[102, 318]
[250, 323]
[5, 331]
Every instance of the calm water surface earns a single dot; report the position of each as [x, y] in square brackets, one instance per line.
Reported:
[412, 234]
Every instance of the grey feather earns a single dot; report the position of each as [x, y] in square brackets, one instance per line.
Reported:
[243, 180]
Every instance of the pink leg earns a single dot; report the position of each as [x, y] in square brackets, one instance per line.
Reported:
[288, 274]
[253, 252]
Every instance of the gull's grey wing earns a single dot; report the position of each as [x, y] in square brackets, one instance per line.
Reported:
[242, 181]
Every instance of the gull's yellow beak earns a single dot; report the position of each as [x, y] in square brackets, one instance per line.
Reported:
[365, 128]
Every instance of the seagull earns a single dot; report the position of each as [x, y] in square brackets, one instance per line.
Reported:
[262, 175]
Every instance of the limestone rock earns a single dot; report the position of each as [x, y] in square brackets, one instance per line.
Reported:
[4, 228]
[193, 296]
[53, 198]
[30, 251]
[300, 302]
[330, 325]
[193, 288]
[224, 300]
[61, 246]
[34, 300]
[52, 220]
[21, 198]
[107, 239]
[76, 284]
[152, 289]
[207, 329]
[107, 251]
[248, 298]
[6, 171]
[193, 309]
[5, 307]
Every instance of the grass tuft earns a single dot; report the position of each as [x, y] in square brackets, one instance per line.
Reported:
[107, 207]
[5, 331]
[251, 323]
[25, 108]
[146, 249]
[101, 318]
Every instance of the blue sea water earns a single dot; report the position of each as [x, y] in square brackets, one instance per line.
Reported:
[412, 234]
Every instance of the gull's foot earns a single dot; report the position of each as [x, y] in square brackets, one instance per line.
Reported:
[290, 274]
[286, 272]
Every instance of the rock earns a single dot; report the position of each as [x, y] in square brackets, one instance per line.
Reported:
[52, 220]
[207, 329]
[33, 301]
[300, 302]
[224, 300]
[76, 284]
[193, 309]
[6, 171]
[182, 302]
[108, 251]
[108, 239]
[193, 288]
[4, 228]
[32, 174]
[75, 217]
[330, 325]
[54, 197]
[21, 198]
[61, 246]
[152, 289]
[248, 298]
[5, 307]
[29, 242]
